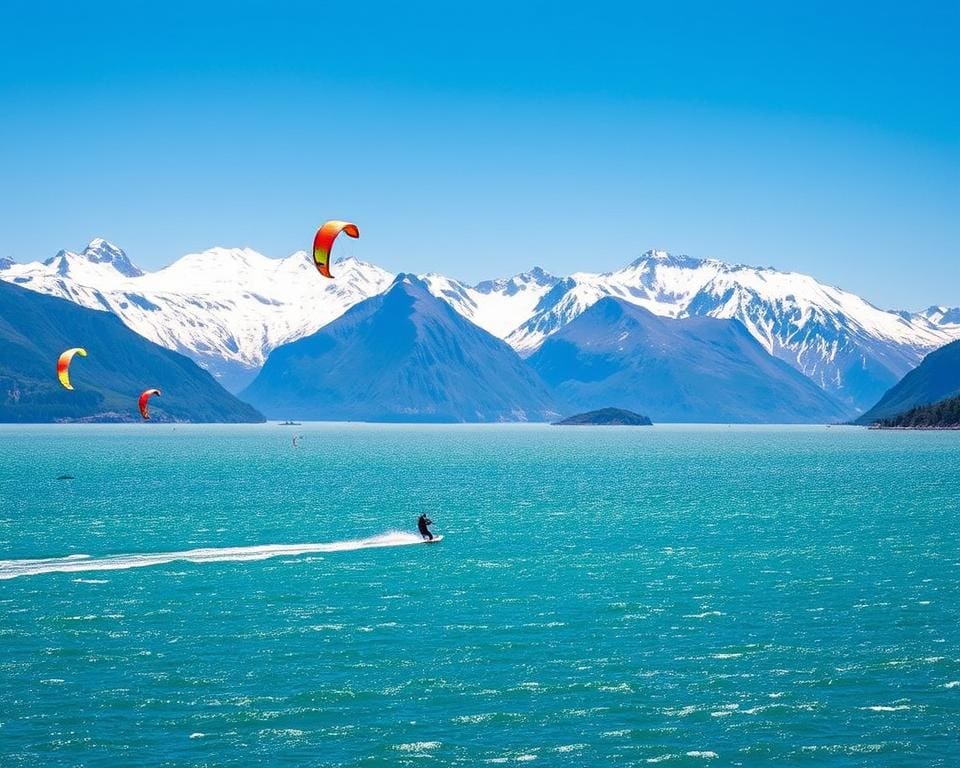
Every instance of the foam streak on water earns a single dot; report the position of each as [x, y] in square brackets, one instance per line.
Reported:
[11, 569]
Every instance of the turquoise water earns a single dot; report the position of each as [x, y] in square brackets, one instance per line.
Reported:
[689, 595]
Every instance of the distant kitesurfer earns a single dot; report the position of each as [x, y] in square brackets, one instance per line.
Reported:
[422, 522]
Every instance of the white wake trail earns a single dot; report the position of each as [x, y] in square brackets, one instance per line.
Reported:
[11, 569]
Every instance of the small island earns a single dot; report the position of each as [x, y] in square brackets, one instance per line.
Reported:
[942, 415]
[606, 417]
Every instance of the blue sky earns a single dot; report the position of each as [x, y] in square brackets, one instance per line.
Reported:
[479, 139]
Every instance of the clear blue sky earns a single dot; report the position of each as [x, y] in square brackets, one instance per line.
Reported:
[477, 139]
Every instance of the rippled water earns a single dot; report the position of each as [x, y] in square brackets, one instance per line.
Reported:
[688, 595]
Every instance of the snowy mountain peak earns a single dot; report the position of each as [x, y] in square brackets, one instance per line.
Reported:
[415, 287]
[100, 251]
[407, 278]
[348, 268]
[940, 316]
[217, 266]
[344, 264]
[61, 262]
[100, 260]
[498, 306]
[300, 255]
[226, 255]
[536, 277]
[540, 275]
[654, 258]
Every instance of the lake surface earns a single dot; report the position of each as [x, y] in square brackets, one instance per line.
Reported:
[688, 595]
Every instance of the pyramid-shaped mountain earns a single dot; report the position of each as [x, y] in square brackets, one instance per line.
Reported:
[697, 369]
[935, 379]
[402, 356]
[35, 329]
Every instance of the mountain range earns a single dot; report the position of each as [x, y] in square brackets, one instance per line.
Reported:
[694, 369]
[403, 355]
[120, 364]
[847, 346]
[229, 309]
[226, 308]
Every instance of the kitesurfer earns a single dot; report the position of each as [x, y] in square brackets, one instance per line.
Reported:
[422, 522]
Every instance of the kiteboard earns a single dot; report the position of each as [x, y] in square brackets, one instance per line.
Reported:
[434, 540]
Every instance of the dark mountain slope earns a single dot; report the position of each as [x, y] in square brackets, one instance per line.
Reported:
[697, 369]
[404, 355]
[944, 414]
[935, 379]
[35, 329]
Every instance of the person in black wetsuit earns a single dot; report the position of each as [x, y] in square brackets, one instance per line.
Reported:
[422, 522]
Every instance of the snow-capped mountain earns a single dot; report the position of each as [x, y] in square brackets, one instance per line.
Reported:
[846, 345]
[691, 369]
[941, 317]
[88, 266]
[227, 308]
[497, 306]
[405, 355]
